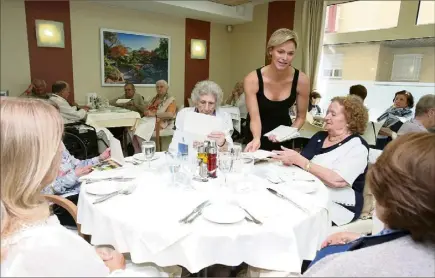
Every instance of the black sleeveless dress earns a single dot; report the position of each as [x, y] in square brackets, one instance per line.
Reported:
[272, 114]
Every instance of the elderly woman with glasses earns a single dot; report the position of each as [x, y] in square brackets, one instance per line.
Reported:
[206, 96]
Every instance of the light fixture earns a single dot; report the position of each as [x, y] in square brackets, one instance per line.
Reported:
[49, 33]
[198, 49]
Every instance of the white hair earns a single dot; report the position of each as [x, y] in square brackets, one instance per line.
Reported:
[163, 82]
[207, 87]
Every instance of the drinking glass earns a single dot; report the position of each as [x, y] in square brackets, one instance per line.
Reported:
[225, 164]
[148, 150]
[174, 164]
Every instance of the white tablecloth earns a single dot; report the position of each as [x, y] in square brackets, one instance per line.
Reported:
[235, 115]
[145, 223]
[112, 119]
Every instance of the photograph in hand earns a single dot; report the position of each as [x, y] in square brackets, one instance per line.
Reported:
[105, 165]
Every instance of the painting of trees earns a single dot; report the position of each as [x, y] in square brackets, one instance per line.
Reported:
[141, 59]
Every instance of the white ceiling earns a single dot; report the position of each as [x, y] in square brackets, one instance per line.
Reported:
[202, 10]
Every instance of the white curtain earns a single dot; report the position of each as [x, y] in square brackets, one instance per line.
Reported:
[313, 17]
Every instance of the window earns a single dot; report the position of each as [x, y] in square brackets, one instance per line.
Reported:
[426, 12]
[332, 66]
[406, 67]
[362, 16]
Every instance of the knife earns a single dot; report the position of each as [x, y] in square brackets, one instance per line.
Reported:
[199, 207]
[279, 195]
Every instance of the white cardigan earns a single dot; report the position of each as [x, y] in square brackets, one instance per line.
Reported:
[227, 127]
[69, 113]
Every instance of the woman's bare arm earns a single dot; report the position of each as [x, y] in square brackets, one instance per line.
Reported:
[302, 99]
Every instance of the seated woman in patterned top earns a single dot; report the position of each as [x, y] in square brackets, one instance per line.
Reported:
[160, 111]
[338, 157]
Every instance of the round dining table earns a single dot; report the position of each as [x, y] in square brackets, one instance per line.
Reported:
[290, 207]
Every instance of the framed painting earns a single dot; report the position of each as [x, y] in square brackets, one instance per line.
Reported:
[141, 59]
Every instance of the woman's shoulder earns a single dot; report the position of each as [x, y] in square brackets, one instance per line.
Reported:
[419, 261]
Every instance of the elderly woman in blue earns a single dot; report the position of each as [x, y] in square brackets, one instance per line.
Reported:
[67, 183]
[206, 96]
[338, 157]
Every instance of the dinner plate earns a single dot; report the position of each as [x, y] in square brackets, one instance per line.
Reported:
[102, 188]
[223, 213]
[140, 156]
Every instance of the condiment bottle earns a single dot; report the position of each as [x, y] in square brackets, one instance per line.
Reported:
[202, 154]
[212, 162]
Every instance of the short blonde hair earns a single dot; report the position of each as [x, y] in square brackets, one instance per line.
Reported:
[31, 145]
[279, 37]
[207, 87]
[355, 112]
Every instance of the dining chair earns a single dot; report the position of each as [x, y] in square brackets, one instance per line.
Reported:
[67, 205]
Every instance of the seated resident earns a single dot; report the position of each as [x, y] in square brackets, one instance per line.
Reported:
[70, 114]
[30, 235]
[405, 195]
[160, 111]
[38, 89]
[237, 98]
[206, 96]
[313, 106]
[394, 117]
[424, 116]
[358, 90]
[338, 157]
[136, 102]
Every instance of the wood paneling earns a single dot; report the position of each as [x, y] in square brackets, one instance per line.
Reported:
[195, 69]
[280, 15]
[50, 64]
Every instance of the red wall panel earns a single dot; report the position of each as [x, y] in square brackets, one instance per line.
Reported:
[195, 70]
[50, 64]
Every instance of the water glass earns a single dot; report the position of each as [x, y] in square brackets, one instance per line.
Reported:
[148, 150]
[174, 165]
[225, 164]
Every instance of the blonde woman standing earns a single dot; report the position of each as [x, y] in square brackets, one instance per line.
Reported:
[272, 90]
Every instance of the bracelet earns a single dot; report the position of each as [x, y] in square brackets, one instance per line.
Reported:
[308, 166]
[223, 144]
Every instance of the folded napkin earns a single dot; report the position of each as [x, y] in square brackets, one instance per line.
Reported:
[283, 133]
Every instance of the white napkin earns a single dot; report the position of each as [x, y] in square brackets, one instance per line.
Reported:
[261, 154]
[283, 133]
[119, 172]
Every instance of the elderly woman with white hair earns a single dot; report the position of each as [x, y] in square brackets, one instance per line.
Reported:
[160, 111]
[206, 96]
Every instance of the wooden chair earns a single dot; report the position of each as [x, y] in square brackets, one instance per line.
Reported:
[67, 205]
[159, 132]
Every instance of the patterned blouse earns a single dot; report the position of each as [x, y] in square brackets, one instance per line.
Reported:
[67, 183]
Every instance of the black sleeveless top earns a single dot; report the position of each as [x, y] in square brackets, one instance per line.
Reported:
[272, 113]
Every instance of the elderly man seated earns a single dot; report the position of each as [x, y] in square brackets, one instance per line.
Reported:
[160, 111]
[206, 96]
[424, 117]
[38, 89]
[136, 102]
[70, 114]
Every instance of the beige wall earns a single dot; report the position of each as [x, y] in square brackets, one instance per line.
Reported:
[372, 15]
[359, 60]
[14, 58]
[220, 57]
[86, 21]
[427, 71]
[297, 27]
[248, 45]
[406, 28]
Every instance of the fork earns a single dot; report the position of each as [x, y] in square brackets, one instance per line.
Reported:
[125, 191]
[252, 218]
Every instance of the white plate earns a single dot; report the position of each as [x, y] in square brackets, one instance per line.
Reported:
[223, 213]
[102, 188]
[140, 156]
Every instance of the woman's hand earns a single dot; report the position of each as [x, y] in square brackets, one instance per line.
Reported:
[217, 136]
[112, 258]
[272, 138]
[253, 145]
[340, 238]
[105, 155]
[289, 157]
[385, 131]
[81, 171]
[149, 113]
